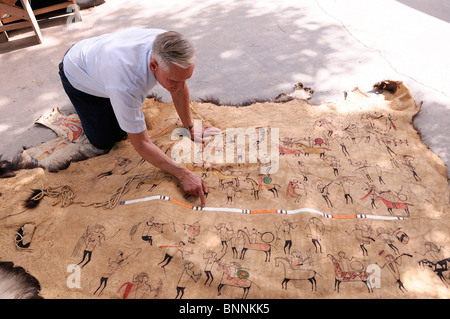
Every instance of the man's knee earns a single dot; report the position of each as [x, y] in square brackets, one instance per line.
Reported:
[105, 140]
[103, 143]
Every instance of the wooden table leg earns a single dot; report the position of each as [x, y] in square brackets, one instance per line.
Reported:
[27, 7]
[3, 35]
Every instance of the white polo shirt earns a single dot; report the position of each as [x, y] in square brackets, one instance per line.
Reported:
[115, 66]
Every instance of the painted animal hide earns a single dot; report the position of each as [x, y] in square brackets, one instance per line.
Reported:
[337, 200]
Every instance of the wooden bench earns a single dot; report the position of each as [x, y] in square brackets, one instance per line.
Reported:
[29, 15]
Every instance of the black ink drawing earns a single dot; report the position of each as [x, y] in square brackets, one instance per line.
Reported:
[363, 236]
[186, 275]
[285, 229]
[391, 265]
[93, 237]
[113, 265]
[434, 260]
[293, 271]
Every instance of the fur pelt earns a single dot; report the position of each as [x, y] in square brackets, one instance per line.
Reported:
[58, 160]
[61, 159]
[16, 283]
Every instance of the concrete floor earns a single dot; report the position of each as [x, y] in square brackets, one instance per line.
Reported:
[247, 50]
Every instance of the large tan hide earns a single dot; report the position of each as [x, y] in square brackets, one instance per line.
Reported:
[356, 207]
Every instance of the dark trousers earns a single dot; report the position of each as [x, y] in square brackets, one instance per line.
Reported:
[96, 114]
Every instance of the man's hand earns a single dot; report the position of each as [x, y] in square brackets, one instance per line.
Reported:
[198, 133]
[194, 185]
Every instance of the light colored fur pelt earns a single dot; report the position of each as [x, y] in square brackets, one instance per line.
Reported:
[63, 153]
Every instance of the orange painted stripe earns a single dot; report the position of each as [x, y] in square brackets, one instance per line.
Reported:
[344, 216]
[160, 132]
[263, 211]
[180, 203]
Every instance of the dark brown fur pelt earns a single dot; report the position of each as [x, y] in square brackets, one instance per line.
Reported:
[387, 85]
[16, 283]
[7, 168]
[32, 202]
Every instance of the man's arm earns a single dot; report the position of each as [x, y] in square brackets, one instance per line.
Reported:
[191, 182]
[181, 101]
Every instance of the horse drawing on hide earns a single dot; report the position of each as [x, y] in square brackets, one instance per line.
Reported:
[438, 268]
[392, 205]
[223, 178]
[265, 183]
[155, 179]
[233, 281]
[266, 248]
[311, 150]
[348, 276]
[284, 150]
[295, 274]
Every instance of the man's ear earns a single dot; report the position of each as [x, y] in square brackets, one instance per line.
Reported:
[153, 65]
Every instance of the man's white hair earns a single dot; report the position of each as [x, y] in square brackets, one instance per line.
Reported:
[172, 47]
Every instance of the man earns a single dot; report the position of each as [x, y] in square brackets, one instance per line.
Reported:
[107, 79]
